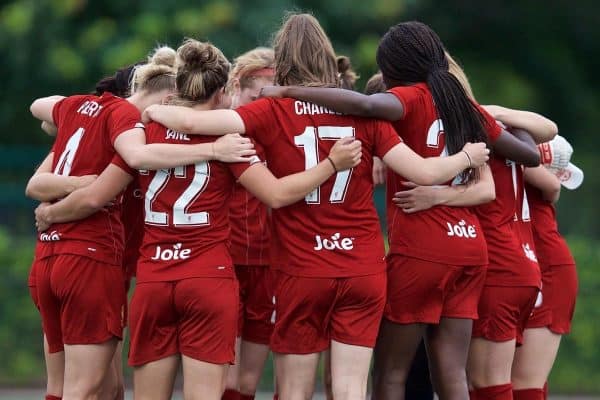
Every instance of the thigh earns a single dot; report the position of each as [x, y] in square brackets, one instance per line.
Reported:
[490, 362]
[92, 298]
[296, 375]
[534, 359]
[415, 290]
[55, 371]
[503, 312]
[155, 380]
[207, 327]
[86, 366]
[462, 292]
[358, 309]
[259, 307]
[349, 370]
[253, 357]
[152, 323]
[303, 308]
[49, 305]
[202, 380]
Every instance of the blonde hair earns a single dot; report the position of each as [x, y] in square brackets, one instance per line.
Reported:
[157, 74]
[460, 75]
[202, 70]
[251, 62]
[304, 54]
[347, 75]
[375, 84]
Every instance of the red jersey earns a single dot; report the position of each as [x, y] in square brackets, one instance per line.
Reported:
[512, 259]
[133, 223]
[87, 128]
[449, 235]
[551, 247]
[250, 229]
[186, 217]
[334, 231]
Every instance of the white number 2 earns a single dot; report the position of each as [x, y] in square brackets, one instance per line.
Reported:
[433, 140]
[180, 215]
[525, 215]
[308, 142]
[65, 162]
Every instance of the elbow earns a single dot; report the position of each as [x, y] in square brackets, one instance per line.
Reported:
[489, 195]
[30, 191]
[427, 178]
[276, 202]
[532, 159]
[34, 108]
[91, 203]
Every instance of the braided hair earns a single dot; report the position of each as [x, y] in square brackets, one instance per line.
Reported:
[412, 52]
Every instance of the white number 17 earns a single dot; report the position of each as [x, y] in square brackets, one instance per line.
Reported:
[308, 141]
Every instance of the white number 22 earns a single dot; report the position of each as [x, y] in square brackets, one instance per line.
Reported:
[180, 215]
[308, 142]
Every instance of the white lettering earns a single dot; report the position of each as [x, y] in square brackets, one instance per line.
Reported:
[334, 242]
[53, 236]
[171, 254]
[174, 135]
[306, 108]
[90, 108]
[461, 230]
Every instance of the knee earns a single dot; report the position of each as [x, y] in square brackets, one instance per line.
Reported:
[248, 382]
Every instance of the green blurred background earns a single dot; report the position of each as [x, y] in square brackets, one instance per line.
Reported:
[541, 56]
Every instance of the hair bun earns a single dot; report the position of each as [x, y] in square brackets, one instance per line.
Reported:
[163, 55]
[197, 55]
[347, 76]
[343, 64]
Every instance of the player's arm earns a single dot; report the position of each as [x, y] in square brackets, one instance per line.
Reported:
[434, 170]
[131, 146]
[545, 181]
[42, 108]
[46, 186]
[277, 193]
[420, 198]
[384, 106]
[187, 120]
[85, 201]
[49, 128]
[518, 146]
[539, 127]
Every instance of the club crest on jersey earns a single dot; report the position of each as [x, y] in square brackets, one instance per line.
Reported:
[335, 242]
[50, 237]
[167, 254]
[461, 230]
[174, 135]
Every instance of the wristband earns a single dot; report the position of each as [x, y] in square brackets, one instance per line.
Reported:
[332, 164]
[468, 158]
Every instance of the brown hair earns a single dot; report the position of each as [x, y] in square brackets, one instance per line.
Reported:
[202, 70]
[304, 54]
[156, 75]
[347, 75]
[375, 84]
[460, 75]
[250, 63]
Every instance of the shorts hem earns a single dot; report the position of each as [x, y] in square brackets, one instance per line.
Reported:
[495, 338]
[143, 361]
[409, 319]
[199, 356]
[289, 350]
[102, 339]
[354, 342]
[256, 339]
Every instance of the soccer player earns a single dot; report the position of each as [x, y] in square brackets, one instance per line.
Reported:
[331, 285]
[413, 64]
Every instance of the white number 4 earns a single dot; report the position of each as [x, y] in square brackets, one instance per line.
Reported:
[308, 141]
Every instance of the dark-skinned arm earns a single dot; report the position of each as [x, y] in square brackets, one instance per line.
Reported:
[517, 146]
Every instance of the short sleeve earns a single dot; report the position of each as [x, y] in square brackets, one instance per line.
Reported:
[492, 128]
[237, 169]
[119, 162]
[63, 106]
[57, 112]
[385, 138]
[123, 118]
[259, 120]
[408, 96]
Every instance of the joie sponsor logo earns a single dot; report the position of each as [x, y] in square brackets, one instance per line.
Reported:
[168, 254]
[53, 236]
[529, 253]
[335, 242]
[461, 230]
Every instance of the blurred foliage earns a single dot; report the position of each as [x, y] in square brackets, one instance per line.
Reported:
[541, 56]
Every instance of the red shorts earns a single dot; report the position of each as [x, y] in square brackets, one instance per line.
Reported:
[504, 311]
[556, 303]
[422, 291]
[310, 312]
[196, 317]
[256, 310]
[31, 283]
[82, 301]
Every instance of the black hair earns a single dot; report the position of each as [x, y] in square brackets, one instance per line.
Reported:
[412, 52]
[118, 84]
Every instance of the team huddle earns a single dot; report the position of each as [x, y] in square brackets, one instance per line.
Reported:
[240, 197]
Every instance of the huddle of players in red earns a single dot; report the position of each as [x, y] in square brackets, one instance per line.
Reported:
[311, 274]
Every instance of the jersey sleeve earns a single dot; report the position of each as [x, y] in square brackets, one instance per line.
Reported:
[408, 96]
[119, 162]
[491, 127]
[237, 169]
[63, 106]
[258, 120]
[385, 138]
[123, 118]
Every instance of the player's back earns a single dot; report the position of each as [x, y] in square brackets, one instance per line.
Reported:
[186, 215]
[335, 230]
[87, 127]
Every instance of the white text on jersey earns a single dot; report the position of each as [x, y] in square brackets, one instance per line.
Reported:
[90, 108]
[174, 135]
[333, 243]
[50, 237]
[176, 253]
[461, 230]
[306, 108]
